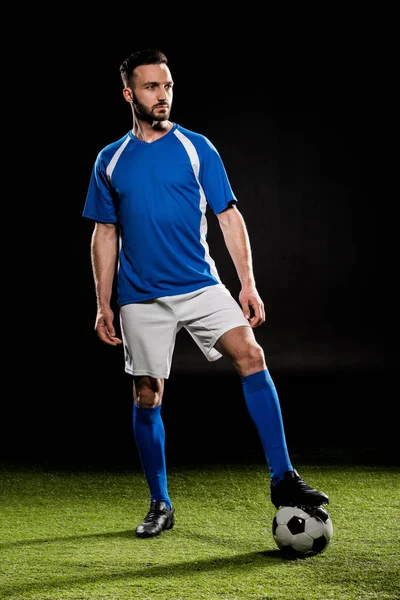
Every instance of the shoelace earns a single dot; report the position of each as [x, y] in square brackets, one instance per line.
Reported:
[153, 513]
[303, 485]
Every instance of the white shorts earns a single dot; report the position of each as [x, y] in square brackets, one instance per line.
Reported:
[149, 328]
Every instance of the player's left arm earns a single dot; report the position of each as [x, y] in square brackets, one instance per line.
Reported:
[237, 242]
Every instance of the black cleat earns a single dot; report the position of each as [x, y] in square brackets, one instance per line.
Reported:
[157, 519]
[294, 491]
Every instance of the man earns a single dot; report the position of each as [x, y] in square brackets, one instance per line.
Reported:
[148, 196]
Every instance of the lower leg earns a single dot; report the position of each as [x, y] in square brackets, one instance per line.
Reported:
[287, 487]
[261, 397]
[264, 408]
[149, 435]
[150, 441]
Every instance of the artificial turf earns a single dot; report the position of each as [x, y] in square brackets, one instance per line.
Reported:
[69, 534]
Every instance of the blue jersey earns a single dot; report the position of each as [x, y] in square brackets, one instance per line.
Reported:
[157, 194]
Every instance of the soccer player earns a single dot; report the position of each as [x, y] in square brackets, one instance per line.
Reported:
[148, 194]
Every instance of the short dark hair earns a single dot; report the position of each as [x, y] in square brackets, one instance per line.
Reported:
[140, 57]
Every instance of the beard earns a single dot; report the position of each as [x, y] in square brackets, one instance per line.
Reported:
[155, 113]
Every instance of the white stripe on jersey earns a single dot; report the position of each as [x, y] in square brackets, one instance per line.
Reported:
[114, 160]
[195, 162]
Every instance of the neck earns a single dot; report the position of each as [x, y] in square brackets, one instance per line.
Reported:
[149, 132]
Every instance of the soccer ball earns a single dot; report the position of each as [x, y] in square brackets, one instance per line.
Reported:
[300, 532]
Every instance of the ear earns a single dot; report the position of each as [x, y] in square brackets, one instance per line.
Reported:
[128, 94]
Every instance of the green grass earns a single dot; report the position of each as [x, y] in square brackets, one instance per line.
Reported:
[69, 535]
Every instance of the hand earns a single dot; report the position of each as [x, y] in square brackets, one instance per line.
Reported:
[104, 327]
[253, 306]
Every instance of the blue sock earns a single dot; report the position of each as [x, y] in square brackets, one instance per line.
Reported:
[149, 434]
[264, 408]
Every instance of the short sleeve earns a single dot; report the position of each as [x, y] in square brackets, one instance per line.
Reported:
[214, 179]
[99, 204]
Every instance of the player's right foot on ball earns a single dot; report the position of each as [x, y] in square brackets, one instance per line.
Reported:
[294, 491]
[157, 519]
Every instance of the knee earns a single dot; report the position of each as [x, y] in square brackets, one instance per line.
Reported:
[148, 392]
[251, 360]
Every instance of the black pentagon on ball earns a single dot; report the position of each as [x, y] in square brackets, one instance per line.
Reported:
[296, 525]
[319, 544]
[274, 525]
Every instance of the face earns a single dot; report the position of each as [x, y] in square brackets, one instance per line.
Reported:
[151, 96]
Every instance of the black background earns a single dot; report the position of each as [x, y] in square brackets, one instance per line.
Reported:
[295, 113]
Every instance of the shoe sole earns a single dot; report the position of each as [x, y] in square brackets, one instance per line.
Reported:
[305, 506]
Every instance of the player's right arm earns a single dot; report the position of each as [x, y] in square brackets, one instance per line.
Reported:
[104, 250]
